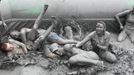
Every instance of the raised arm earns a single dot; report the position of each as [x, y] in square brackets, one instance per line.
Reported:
[88, 37]
[20, 44]
[117, 17]
[4, 24]
[39, 18]
[44, 35]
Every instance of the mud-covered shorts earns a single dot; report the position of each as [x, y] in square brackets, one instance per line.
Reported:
[52, 37]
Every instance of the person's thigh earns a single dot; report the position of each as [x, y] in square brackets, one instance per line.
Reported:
[108, 56]
[122, 36]
[93, 55]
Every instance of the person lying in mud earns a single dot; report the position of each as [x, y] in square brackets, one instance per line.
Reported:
[27, 34]
[66, 33]
[71, 31]
[77, 56]
[12, 47]
[100, 42]
[128, 29]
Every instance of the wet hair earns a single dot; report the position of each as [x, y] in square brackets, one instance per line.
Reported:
[102, 22]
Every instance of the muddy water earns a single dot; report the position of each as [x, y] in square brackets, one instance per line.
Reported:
[29, 70]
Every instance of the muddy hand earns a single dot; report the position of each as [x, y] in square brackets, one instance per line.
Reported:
[45, 7]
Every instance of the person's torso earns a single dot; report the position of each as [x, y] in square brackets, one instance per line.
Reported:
[100, 39]
[17, 49]
[130, 21]
[130, 18]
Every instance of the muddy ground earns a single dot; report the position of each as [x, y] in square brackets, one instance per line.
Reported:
[34, 63]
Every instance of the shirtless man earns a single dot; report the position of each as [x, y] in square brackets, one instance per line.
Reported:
[128, 29]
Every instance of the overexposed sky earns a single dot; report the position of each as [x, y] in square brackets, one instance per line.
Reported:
[66, 8]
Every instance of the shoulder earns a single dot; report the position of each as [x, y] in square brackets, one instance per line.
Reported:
[107, 34]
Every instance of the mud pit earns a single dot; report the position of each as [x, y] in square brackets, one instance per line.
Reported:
[35, 63]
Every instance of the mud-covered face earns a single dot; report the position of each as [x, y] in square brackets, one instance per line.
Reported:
[15, 34]
[99, 28]
[55, 48]
[7, 47]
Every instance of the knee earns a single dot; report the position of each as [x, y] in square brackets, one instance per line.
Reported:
[67, 46]
[73, 60]
[113, 59]
[94, 55]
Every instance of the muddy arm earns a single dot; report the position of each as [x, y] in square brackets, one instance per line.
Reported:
[117, 16]
[88, 37]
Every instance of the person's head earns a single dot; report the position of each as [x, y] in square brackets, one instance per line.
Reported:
[55, 48]
[15, 34]
[7, 47]
[100, 27]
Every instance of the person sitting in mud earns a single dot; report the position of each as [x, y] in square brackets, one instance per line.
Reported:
[12, 47]
[128, 29]
[71, 31]
[100, 42]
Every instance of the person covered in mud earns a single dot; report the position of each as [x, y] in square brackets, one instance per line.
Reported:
[76, 55]
[67, 34]
[12, 47]
[128, 29]
[71, 30]
[100, 42]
